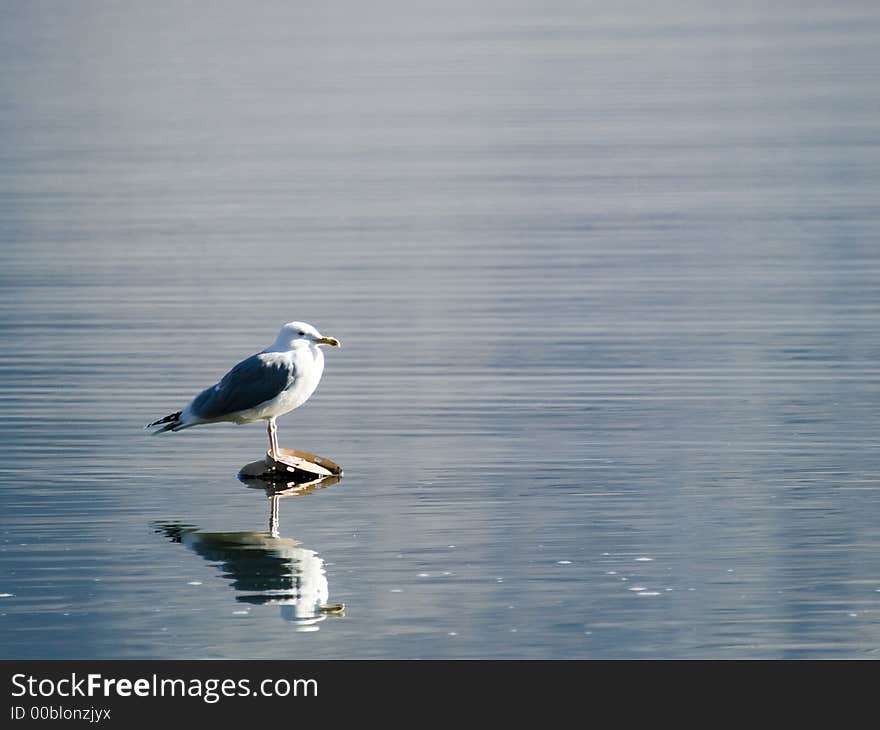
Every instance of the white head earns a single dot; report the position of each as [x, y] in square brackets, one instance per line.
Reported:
[300, 334]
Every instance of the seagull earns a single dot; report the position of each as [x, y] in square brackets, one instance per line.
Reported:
[262, 387]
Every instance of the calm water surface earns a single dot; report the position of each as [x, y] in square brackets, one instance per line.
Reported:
[607, 280]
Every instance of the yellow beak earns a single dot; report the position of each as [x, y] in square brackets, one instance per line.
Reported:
[332, 341]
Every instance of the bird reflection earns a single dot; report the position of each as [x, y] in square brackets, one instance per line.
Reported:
[263, 567]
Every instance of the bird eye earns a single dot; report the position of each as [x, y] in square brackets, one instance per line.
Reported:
[301, 333]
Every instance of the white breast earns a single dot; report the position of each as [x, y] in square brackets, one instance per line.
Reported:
[309, 362]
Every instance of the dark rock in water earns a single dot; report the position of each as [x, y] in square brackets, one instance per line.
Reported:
[295, 468]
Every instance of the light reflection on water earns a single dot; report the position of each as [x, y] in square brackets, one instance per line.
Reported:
[607, 284]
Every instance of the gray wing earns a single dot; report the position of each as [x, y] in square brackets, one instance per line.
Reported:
[253, 381]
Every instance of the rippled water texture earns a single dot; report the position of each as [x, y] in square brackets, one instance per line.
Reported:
[606, 279]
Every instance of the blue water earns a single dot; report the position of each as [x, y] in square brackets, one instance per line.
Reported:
[606, 279]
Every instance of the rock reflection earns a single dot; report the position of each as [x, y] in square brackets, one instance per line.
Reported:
[263, 567]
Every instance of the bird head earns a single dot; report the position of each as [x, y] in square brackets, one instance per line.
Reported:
[301, 334]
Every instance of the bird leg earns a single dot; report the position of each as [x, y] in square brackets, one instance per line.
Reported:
[274, 452]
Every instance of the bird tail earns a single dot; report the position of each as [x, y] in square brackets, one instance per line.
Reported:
[169, 423]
